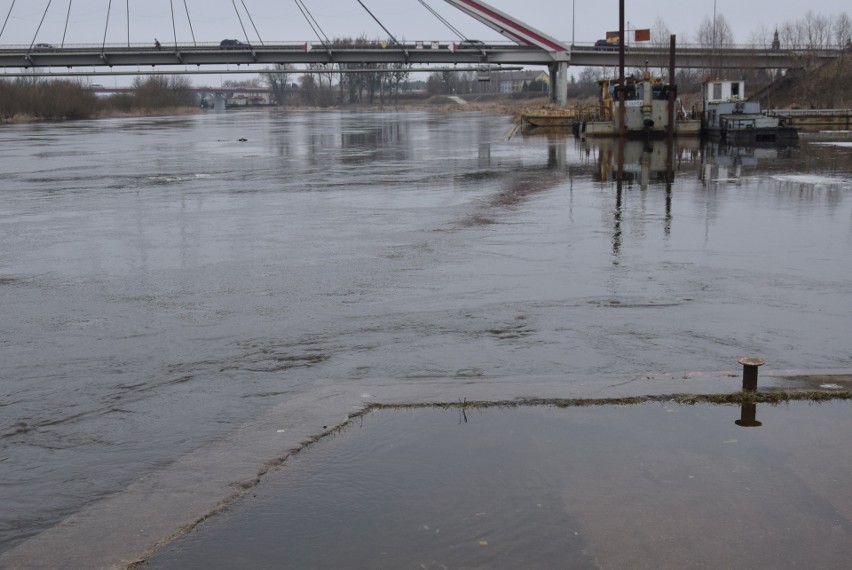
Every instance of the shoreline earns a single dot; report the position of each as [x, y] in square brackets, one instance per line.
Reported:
[440, 104]
[109, 114]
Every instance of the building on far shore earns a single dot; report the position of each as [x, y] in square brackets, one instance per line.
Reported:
[508, 82]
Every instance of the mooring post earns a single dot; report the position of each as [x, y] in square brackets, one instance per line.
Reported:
[672, 85]
[750, 366]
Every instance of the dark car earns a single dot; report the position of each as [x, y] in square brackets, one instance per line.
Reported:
[230, 44]
[471, 43]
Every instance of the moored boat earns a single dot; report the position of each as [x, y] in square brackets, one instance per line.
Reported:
[729, 118]
[646, 110]
[551, 117]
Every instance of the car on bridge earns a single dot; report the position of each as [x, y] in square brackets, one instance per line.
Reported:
[44, 46]
[230, 44]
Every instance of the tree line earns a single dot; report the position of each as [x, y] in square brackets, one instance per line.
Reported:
[52, 99]
[806, 37]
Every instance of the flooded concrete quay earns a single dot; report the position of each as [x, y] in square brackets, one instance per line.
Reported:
[173, 297]
[657, 485]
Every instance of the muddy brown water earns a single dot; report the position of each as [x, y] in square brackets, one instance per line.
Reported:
[162, 282]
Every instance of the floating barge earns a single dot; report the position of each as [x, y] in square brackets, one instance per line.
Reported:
[815, 120]
[646, 111]
[729, 118]
[551, 118]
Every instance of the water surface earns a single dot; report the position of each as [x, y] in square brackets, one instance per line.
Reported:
[162, 282]
[651, 486]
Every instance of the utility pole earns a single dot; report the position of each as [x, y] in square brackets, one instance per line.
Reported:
[621, 83]
[714, 32]
[573, 20]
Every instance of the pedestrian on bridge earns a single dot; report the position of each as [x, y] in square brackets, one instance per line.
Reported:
[156, 43]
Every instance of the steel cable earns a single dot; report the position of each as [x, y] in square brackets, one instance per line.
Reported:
[174, 28]
[245, 34]
[106, 26]
[38, 29]
[390, 35]
[311, 22]
[7, 19]
[188, 19]
[252, 22]
[443, 20]
[67, 18]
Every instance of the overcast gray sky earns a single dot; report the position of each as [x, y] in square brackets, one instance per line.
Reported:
[280, 20]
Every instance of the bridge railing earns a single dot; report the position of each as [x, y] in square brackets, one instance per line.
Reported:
[166, 46]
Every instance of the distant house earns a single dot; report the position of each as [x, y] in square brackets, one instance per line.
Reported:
[247, 96]
[508, 82]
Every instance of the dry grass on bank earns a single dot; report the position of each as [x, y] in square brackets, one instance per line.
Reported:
[33, 99]
[163, 112]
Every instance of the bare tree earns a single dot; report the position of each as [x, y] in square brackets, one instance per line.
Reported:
[308, 89]
[400, 73]
[660, 33]
[817, 30]
[157, 91]
[277, 78]
[715, 36]
[660, 38]
[761, 37]
[813, 32]
[440, 83]
[843, 31]
[719, 35]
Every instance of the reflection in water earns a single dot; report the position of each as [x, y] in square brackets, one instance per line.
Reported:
[748, 415]
[643, 162]
[669, 181]
[725, 163]
[633, 163]
[616, 233]
[557, 153]
[523, 183]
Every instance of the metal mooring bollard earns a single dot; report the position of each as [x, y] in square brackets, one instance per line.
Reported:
[750, 366]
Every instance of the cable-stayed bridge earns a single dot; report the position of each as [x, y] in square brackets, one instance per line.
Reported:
[524, 46]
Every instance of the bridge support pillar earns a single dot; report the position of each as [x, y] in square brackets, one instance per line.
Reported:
[559, 83]
[218, 101]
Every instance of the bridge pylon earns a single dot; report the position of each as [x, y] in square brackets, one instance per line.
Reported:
[559, 83]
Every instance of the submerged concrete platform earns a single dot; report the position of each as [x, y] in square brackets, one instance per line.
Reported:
[130, 526]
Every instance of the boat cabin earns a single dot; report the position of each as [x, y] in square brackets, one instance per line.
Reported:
[729, 117]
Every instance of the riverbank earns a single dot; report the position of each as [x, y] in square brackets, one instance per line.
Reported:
[110, 114]
[35, 100]
[441, 104]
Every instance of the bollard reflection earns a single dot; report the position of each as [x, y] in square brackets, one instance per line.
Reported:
[748, 415]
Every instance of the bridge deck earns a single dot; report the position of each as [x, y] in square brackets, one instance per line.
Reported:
[413, 53]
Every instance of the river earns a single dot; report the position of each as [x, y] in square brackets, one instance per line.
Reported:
[163, 280]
